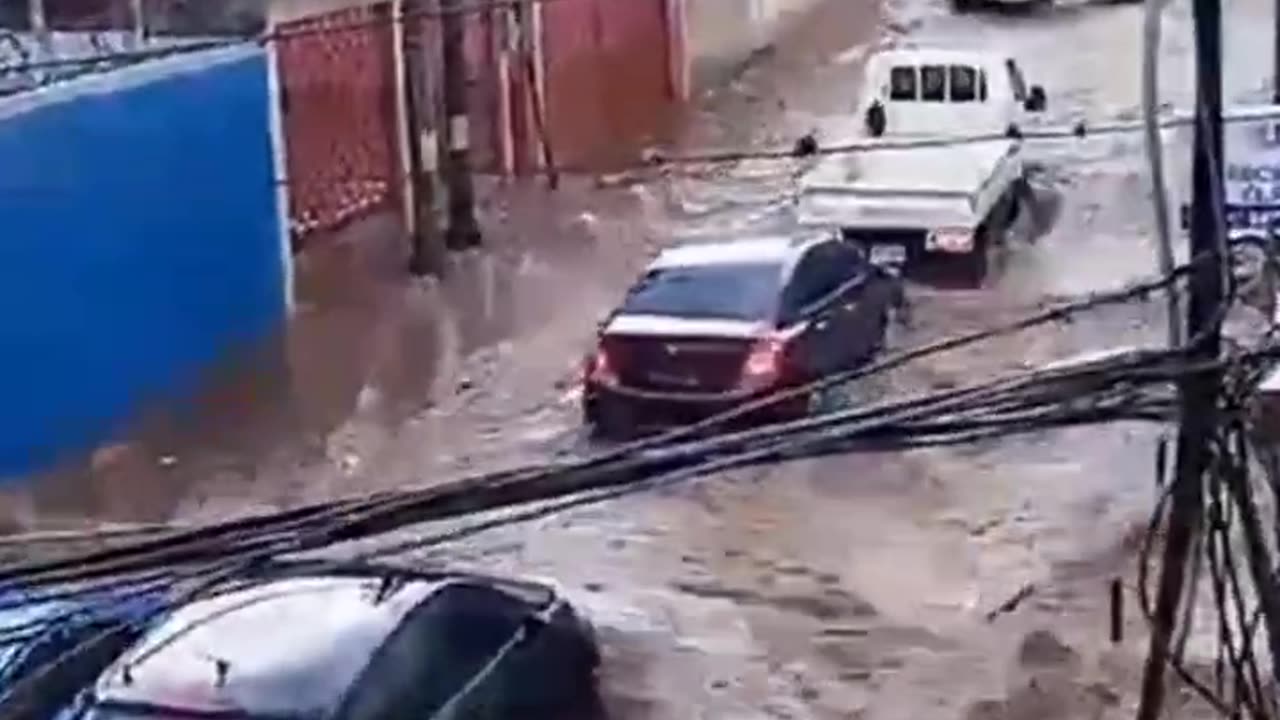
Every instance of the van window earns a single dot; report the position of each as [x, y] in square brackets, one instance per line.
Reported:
[964, 83]
[982, 85]
[933, 82]
[902, 83]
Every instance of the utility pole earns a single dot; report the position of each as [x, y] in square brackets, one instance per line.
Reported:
[1198, 393]
[1153, 9]
[463, 231]
[426, 255]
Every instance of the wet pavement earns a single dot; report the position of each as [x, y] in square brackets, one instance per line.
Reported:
[863, 586]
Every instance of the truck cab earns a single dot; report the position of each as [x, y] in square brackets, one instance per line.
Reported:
[946, 92]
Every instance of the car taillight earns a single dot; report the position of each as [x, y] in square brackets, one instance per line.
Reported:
[764, 365]
[950, 240]
[599, 368]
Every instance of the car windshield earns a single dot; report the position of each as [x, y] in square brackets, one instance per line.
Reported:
[747, 291]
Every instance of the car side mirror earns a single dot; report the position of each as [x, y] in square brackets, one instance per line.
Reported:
[1036, 100]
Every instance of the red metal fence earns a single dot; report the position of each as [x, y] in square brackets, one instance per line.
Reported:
[606, 73]
[339, 115]
[608, 80]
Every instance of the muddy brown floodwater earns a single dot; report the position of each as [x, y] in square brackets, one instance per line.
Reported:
[965, 582]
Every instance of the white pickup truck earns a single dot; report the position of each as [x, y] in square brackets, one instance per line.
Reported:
[934, 201]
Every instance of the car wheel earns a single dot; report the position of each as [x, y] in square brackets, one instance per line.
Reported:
[963, 6]
[606, 420]
[882, 334]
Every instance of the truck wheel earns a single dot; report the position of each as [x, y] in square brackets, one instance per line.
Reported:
[980, 261]
[1019, 193]
[607, 421]
[977, 269]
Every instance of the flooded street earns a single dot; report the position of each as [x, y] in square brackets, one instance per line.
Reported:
[962, 582]
[965, 582]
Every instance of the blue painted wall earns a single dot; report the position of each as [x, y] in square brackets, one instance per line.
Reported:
[139, 242]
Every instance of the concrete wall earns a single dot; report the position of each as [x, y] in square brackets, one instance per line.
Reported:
[141, 244]
[721, 35]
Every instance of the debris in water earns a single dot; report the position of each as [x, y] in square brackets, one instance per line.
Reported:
[1012, 603]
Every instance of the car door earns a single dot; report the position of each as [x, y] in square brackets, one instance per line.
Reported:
[449, 659]
[809, 301]
[861, 307]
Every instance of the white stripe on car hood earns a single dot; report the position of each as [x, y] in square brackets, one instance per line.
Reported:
[668, 326]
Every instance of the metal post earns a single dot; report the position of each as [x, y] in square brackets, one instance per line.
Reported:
[463, 231]
[137, 9]
[40, 28]
[426, 251]
[1155, 159]
[1198, 393]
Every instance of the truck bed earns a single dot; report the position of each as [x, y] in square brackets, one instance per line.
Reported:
[906, 187]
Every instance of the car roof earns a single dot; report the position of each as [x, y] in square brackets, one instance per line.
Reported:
[781, 250]
[282, 641]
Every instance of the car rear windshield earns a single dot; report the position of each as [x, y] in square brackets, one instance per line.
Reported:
[722, 292]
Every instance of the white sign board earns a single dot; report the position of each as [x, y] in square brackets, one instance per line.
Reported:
[1252, 165]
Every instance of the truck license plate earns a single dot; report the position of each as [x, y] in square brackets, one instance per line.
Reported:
[888, 254]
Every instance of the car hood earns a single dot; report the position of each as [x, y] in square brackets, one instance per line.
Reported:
[670, 326]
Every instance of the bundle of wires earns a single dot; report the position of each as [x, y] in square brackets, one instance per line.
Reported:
[1231, 546]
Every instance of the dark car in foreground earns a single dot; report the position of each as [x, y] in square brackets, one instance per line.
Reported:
[357, 642]
[53, 645]
[710, 326]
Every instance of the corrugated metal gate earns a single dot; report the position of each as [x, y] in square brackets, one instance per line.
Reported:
[482, 50]
[608, 79]
[338, 98]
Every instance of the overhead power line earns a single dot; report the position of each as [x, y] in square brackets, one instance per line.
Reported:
[1078, 130]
